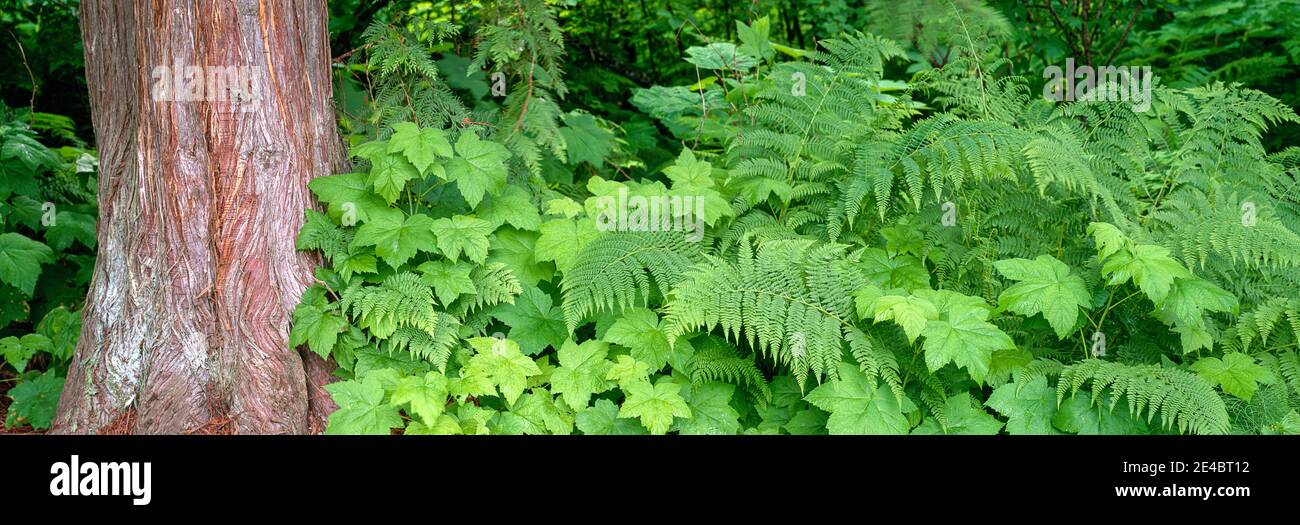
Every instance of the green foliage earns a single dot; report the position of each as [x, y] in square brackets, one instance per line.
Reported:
[47, 243]
[884, 236]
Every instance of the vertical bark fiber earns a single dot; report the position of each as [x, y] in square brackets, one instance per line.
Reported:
[188, 313]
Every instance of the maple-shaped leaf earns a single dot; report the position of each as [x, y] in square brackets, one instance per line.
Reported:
[448, 279]
[562, 239]
[69, 226]
[1029, 408]
[582, 372]
[517, 250]
[601, 419]
[514, 206]
[395, 239]
[754, 39]
[961, 417]
[563, 206]
[445, 425]
[355, 259]
[856, 406]
[911, 312]
[1236, 373]
[904, 271]
[389, 175]
[641, 331]
[1189, 298]
[348, 195]
[17, 351]
[534, 320]
[1044, 285]
[426, 395]
[316, 323]
[655, 405]
[1150, 267]
[536, 413]
[21, 259]
[421, 147]
[479, 167]
[461, 234]
[711, 410]
[627, 370]
[362, 409]
[964, 338]
[35, 400]
[586, 141]
[501, 362]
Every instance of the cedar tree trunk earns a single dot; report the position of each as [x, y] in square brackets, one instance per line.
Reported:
[186, 323]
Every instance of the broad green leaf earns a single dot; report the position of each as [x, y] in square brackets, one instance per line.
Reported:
[807, 422]
[17, 351]
[1150, 267]
[711, 411]
[448, 279]
[362, 409]
[904, 271]
[397, 240]
[422, 147]
[513, 206]
[1045, 285]
[856, 406]
[69, 226]
[536, 413]
[427, 395]
[655, 405]
[534, 320]
[1029, 408]
[1188, 299]
[315, 323]
[21, 259]
[461, 234]
[586, 141]
[965, 340]
[445, 425]
[1080, 415]
[720, 55]
[349, 197]
[581, 373]
[1236, 373]
[601, 419]
[479, 167]
[961, 417]
[500, 361]
[911, 312]
[754, 39]
[62, 327]
[355, 259]
[627, 370]
[389, 175]
[35, 400]
[517, 250]
[562, 239]
[641, 331]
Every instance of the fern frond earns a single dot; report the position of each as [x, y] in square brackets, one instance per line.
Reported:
[622, 269]
[1180, 398]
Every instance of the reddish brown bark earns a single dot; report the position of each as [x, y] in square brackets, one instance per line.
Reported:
[186, 323]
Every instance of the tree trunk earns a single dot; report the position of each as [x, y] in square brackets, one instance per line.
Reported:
[186, 322]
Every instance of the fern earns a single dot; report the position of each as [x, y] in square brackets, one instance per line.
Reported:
[622, 269]
[789, 299]
[1180, 398]
[717, 360]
